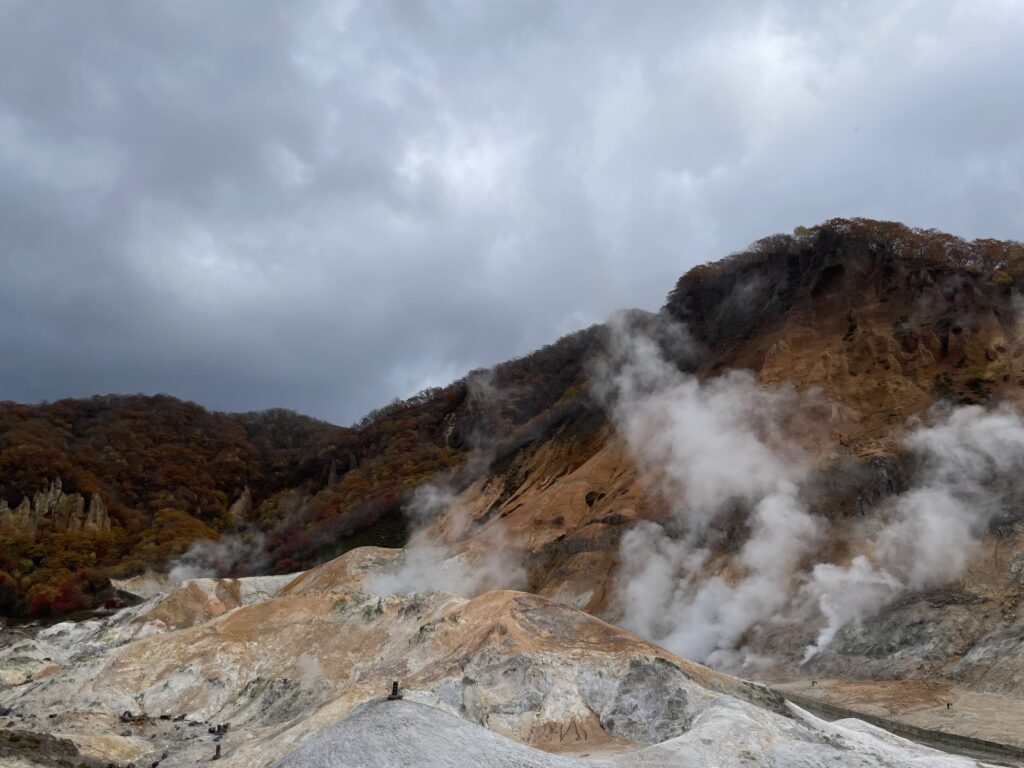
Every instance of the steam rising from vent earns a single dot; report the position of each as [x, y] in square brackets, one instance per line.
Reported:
[722, 453]
[430, 561]
[972, 467]
[428, 564]
[711, 448]
[230, 554]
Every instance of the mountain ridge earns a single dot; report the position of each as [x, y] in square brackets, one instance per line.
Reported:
[824, 307]
[805, 470]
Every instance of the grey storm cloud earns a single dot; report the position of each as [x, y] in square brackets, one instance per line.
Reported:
[323, 206]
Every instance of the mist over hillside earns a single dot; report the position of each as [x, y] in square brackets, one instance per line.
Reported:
[816, 444]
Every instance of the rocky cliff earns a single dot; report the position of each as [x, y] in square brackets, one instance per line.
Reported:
[53, 509]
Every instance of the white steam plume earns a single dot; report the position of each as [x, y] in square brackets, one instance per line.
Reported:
[711, 446]
[972, 462]
[714, 447]
[230, 554]
[427, 564]
[491, 561]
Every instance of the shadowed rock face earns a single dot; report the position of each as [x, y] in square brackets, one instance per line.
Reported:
[27, 748]
[648, 704]
[949, 634]
[842, 266]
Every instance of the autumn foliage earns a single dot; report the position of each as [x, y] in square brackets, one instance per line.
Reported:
[169, 472]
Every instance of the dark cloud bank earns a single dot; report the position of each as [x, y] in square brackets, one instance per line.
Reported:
[325, 205]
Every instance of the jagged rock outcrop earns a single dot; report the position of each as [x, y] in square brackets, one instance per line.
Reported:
[54, 509]
[241, 510]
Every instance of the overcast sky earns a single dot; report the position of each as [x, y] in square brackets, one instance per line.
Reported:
[324, 205]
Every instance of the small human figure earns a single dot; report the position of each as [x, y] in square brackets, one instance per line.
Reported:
[949, 705]
[813, 683]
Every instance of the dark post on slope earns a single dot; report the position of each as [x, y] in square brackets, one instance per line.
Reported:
[395, 695]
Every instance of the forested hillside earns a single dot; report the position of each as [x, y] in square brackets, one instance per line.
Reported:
[293, 489]
[885, 319]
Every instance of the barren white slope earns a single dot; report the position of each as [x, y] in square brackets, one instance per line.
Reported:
[386, 734]
[506, 674]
